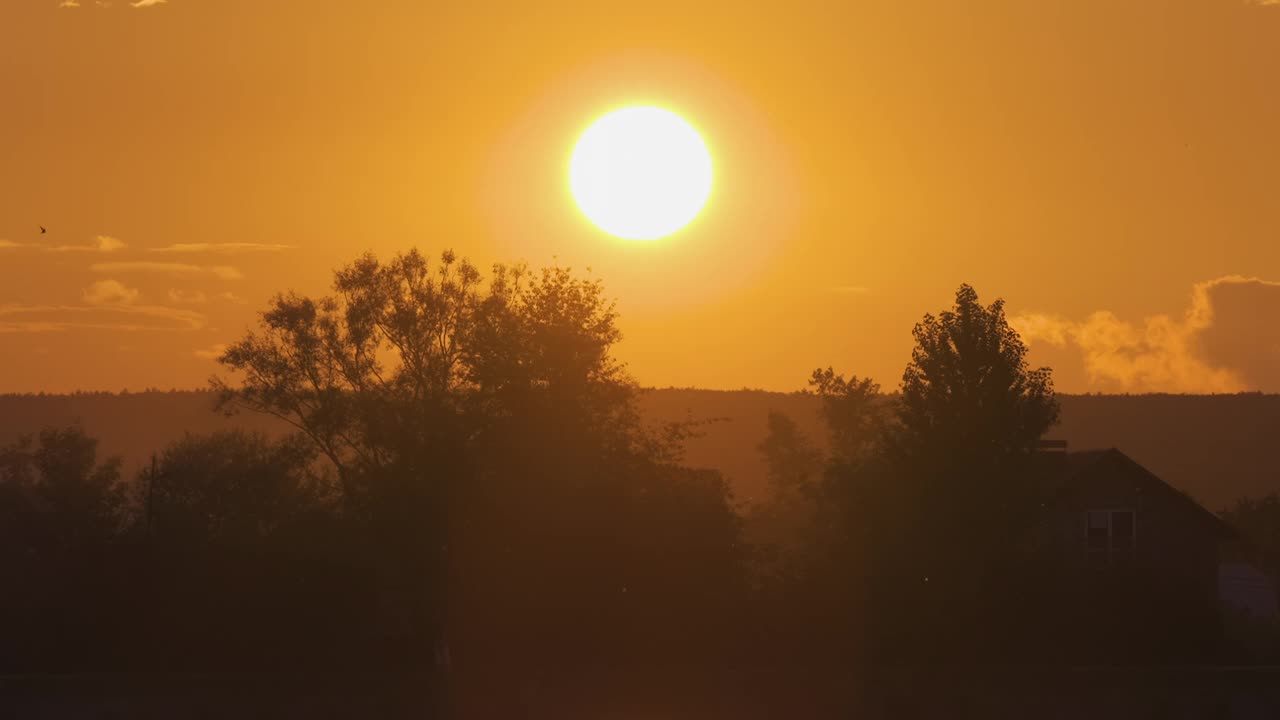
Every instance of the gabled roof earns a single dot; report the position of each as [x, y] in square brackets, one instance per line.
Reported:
[1079, 464]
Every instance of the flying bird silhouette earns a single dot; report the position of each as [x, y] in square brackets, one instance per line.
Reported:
[43, 230]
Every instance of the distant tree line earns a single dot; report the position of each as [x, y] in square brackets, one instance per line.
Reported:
[469, 483]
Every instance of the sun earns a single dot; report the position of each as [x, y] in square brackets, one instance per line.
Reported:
[640, 173]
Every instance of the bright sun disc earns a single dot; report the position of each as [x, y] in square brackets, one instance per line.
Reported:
[640, 173]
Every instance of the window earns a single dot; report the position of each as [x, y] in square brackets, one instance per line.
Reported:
[1099, 530]
[1111, 536]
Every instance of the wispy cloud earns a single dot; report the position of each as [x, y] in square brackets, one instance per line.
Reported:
[106, 243]
[101, 244]
[211, 353]
[121, 318]
[1223, 342]
[187, 297]
[230, 248]
[109, 292]
[232, 298]
[108, 3]
[224, 272]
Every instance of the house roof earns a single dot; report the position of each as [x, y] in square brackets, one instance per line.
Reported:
[1078, 465]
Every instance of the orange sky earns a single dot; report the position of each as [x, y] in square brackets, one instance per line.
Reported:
[1112, 169]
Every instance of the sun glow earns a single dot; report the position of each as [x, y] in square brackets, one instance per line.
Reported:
[640, 173]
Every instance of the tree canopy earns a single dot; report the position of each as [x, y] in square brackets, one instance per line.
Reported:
[483, 431]
[968, 394]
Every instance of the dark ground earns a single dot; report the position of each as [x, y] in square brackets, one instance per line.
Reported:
[673, 694]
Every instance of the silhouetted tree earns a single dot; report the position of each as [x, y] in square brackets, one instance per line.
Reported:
[246, 559]
[485, 434]
[793, 462]
[855, 523]
[968, 395]
[231, 488]
[925, 496]
[575, 506]
[61, 515]
[357, 371]
[374, 377]
[854, 413]
[781, 523]
[855, 495]
[66, 498]
[970, 416]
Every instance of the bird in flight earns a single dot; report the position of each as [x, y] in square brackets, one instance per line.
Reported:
[43, 230]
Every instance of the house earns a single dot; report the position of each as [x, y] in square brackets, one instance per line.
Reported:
[1134, 564]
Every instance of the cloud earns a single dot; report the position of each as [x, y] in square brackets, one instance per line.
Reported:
[224, 272]
[9, 244]
[211, 353]
[107, 3]
[120, 318]
[1227, 340]
[102, 244]
[106, 243]
[187, 297]
[1245, 334]
[222, 248]
[232, 298]
[109, 292]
